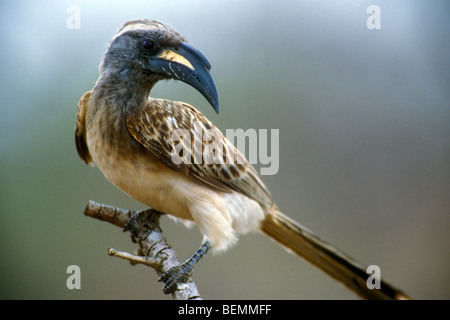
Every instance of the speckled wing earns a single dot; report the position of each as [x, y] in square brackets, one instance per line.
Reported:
[184, 140]
[80, 129]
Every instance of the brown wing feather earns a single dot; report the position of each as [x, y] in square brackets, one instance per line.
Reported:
[157, 127]
[80, 129]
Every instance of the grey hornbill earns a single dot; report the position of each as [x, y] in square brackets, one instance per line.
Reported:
[127, 135]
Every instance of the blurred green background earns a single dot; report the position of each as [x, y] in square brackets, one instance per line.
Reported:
[364, 143]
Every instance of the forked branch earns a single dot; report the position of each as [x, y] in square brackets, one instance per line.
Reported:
[153, 249]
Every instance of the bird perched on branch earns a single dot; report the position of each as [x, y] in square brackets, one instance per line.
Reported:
[130, 137]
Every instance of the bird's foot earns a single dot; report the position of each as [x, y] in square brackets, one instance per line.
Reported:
[141, 223]
[175, 276]
[181, 273]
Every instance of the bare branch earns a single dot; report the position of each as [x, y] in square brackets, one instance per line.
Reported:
[153, 263]
[103, 212]
[153, 250]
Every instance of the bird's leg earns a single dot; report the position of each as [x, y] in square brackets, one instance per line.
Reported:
[141, 223]
[182, 272]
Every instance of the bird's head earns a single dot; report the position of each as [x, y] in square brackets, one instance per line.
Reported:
[150, 51]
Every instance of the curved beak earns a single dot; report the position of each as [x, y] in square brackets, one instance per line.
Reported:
[189, 65]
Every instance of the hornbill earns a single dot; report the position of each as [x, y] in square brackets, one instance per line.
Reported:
[129, 136]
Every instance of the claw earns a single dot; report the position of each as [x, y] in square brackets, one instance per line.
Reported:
[141, 223]
[174, 276]
[131, 225]
[181, 273]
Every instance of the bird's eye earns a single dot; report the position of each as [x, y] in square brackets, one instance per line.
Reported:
[149, 45]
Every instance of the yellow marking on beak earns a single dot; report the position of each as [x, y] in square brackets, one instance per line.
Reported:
[170, 66]
[169, 55]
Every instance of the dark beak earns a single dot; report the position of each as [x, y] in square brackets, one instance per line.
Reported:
[189, 65]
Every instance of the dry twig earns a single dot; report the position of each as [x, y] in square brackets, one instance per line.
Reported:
[153, 249]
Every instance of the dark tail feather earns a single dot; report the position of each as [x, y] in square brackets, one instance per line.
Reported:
[335, 263]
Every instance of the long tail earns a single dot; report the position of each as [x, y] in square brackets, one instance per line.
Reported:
[335, 263]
